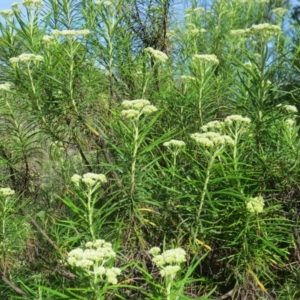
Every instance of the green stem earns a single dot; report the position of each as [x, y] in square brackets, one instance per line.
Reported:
[71, 56]
[207, 177]
[168, 288]
[134, 157]
[30, 77]
[36, 98]
[200, 96]
[145, 86]
[90, 213]
[235, 160]
[95, 283]
[3, 250]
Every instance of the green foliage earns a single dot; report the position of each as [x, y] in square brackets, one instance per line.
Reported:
[121, 123]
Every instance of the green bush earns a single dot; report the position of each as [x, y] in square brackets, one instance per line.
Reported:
[131, 128]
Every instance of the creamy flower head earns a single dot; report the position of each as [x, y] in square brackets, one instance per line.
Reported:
[149, 109]
[89, 179]
[256, 204]
[169, 271]
[290, 122]
[5, 86]
[206, 58]
[265, 27]
[70, 33]
[48, 39]
[279, 11]
[212, 139]
[6, 192]
[130, 113]
[168, 257]
[6, 13]
[16, 5]
[240, 32]
[92, 178]
[76, 179]
[76, 253]
[135, 108]
[154, 251]
[135, 104]
[213, 125]
[290, 109]
[265, 30]
[29, 4]
[174, 143]
[159, 56]
[94, 258]
[236, 119]
[26, 57]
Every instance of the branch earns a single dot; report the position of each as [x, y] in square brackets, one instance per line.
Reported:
[13, 286]
[44, 234]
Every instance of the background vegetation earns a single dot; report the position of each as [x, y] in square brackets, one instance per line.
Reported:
[210, 164]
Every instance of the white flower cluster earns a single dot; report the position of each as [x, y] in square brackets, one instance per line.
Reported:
[265, 30]
[279, 11]
[156, 54]
[174, 143]
[6, 13]
[206, 58]
[47, 39]
[89, 179]
[93, 259]
[213, 125]
[212, 139]
[26, 57]
[5, 86]
[291, 109]
[16, 7]
[290, 122]
[236, 119]
[6, 192]
[256, 204]
[169, 261]
[240, 32]
[33, 4]
[135, 108]
[70, 33]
